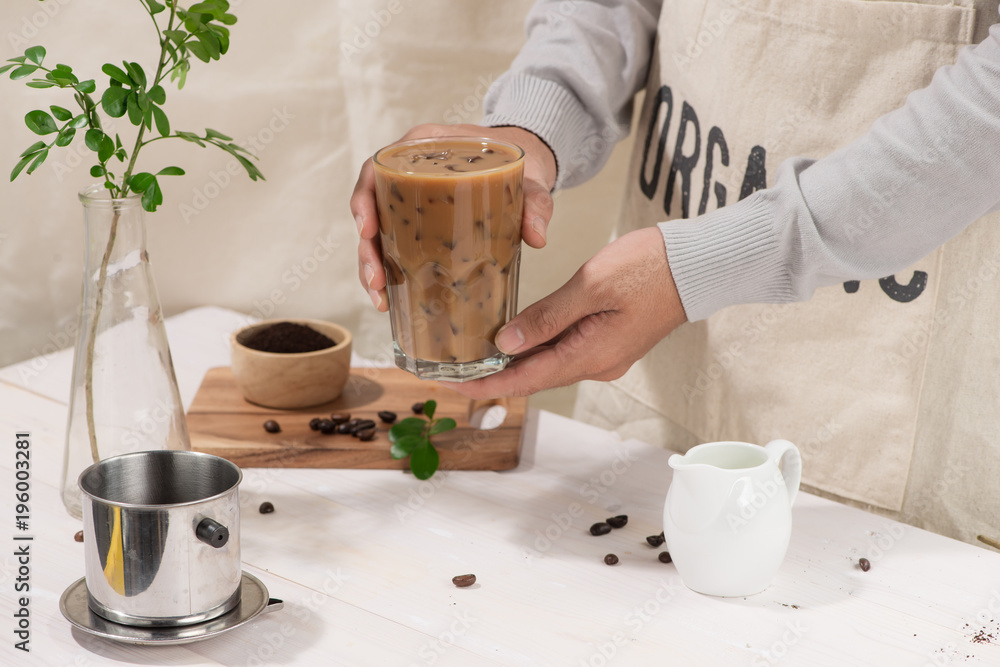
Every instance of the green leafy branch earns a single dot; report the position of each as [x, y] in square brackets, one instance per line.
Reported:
[200, 31]
[412, 437]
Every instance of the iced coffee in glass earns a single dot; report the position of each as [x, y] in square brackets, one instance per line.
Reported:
[450, 225]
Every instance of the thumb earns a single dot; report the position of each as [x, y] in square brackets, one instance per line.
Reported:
[544, 320]
[537, 213]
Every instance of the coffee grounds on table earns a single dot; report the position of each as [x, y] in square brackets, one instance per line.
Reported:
[287, 338]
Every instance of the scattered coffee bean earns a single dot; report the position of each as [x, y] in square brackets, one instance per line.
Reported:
[344, 428]
[365, 434]
[326, 427]
[387, 416]
[364, 424]
[314, 423]
[464, 580]
[611, 559]
[272, 426]
[864, 564]
[600, 528]
[79, 536]
[617, 521]
[266, 507]
[665, 557]
[340, 418]
[417, 408]
[655, 540]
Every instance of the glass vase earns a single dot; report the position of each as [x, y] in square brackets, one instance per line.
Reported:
[124, 395]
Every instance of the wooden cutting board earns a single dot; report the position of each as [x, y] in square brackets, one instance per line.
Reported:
[221, 422]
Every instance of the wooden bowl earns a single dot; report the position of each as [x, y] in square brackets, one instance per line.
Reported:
[292, 380]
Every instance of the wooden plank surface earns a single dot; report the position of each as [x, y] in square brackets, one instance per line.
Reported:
[223, 423]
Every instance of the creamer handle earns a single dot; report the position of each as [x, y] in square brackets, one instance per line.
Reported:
[787, 455]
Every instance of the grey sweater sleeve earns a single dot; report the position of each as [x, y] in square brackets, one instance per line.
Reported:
[917, 178]
[573, 82]
[920, 176]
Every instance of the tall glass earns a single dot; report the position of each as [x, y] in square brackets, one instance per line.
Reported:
[124, 396]
[450, 220]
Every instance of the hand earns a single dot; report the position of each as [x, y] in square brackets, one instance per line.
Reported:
[618, 305]
[539, 179]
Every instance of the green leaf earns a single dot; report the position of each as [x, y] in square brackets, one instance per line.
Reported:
[39, 159]
[429, 407]
[406, 445]
[19, 60]
[66, 135]
[120, 154]
[176, 36]
[113, 101]
[35, 54]
[157, 94]
[40, 84]
[97, 171]
[40, 122]
[87, 86]
[136, 73]
[152, 198]
[134, 112]
[162, 123]
[252, 171]
[141, 182]
[143, 100]
[147, 116]
[60, 113]
[424, 461]
[23, 72]
[228, 19]
[106, 149]
[409, 426]
[192, 137]
[154, 7]
[441, 425]
[213, 134]
[19, 167]
[7, 68]
[80, 122]
[93, 139]
[170, 171]
[64, 68]
[117, 74]
[61, 78]
[33, 148]
[211, 44]
[199, 51]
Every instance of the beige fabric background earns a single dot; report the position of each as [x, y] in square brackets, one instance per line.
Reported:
[318, 85]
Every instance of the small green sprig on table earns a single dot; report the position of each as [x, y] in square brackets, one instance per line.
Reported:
[412, 437]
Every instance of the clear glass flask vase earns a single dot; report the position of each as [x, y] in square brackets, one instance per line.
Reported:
[124, 396]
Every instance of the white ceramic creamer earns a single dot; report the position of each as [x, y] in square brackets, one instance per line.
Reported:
[728, 514]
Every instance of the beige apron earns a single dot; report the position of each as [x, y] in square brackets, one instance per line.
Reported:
[886, 384]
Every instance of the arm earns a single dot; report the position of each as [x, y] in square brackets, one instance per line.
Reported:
[573, 82]
[920, 176]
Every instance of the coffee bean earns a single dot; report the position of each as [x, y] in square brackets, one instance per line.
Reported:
[266, 507]
[417, 408]
[600, 528]
[344, 428]
[326, 427]
[611, 559]
[340, 418]
[464, 580]
[617, 521]
[387, 417]
[272, 426]
[79, 536]
[365, 434]
[665, 557]
[314, 423]
[864, 564]
[655, 540]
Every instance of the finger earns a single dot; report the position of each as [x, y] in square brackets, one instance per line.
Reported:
[544, 369]
[546, 319]
[363, 202]
[372, 274]
[537, 213]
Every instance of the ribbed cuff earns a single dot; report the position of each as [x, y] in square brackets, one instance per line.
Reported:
[548, 110]
[727, 257]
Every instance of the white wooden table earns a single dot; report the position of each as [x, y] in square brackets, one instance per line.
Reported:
[364, 559]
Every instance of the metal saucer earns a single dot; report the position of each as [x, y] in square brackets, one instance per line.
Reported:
[253, 601]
